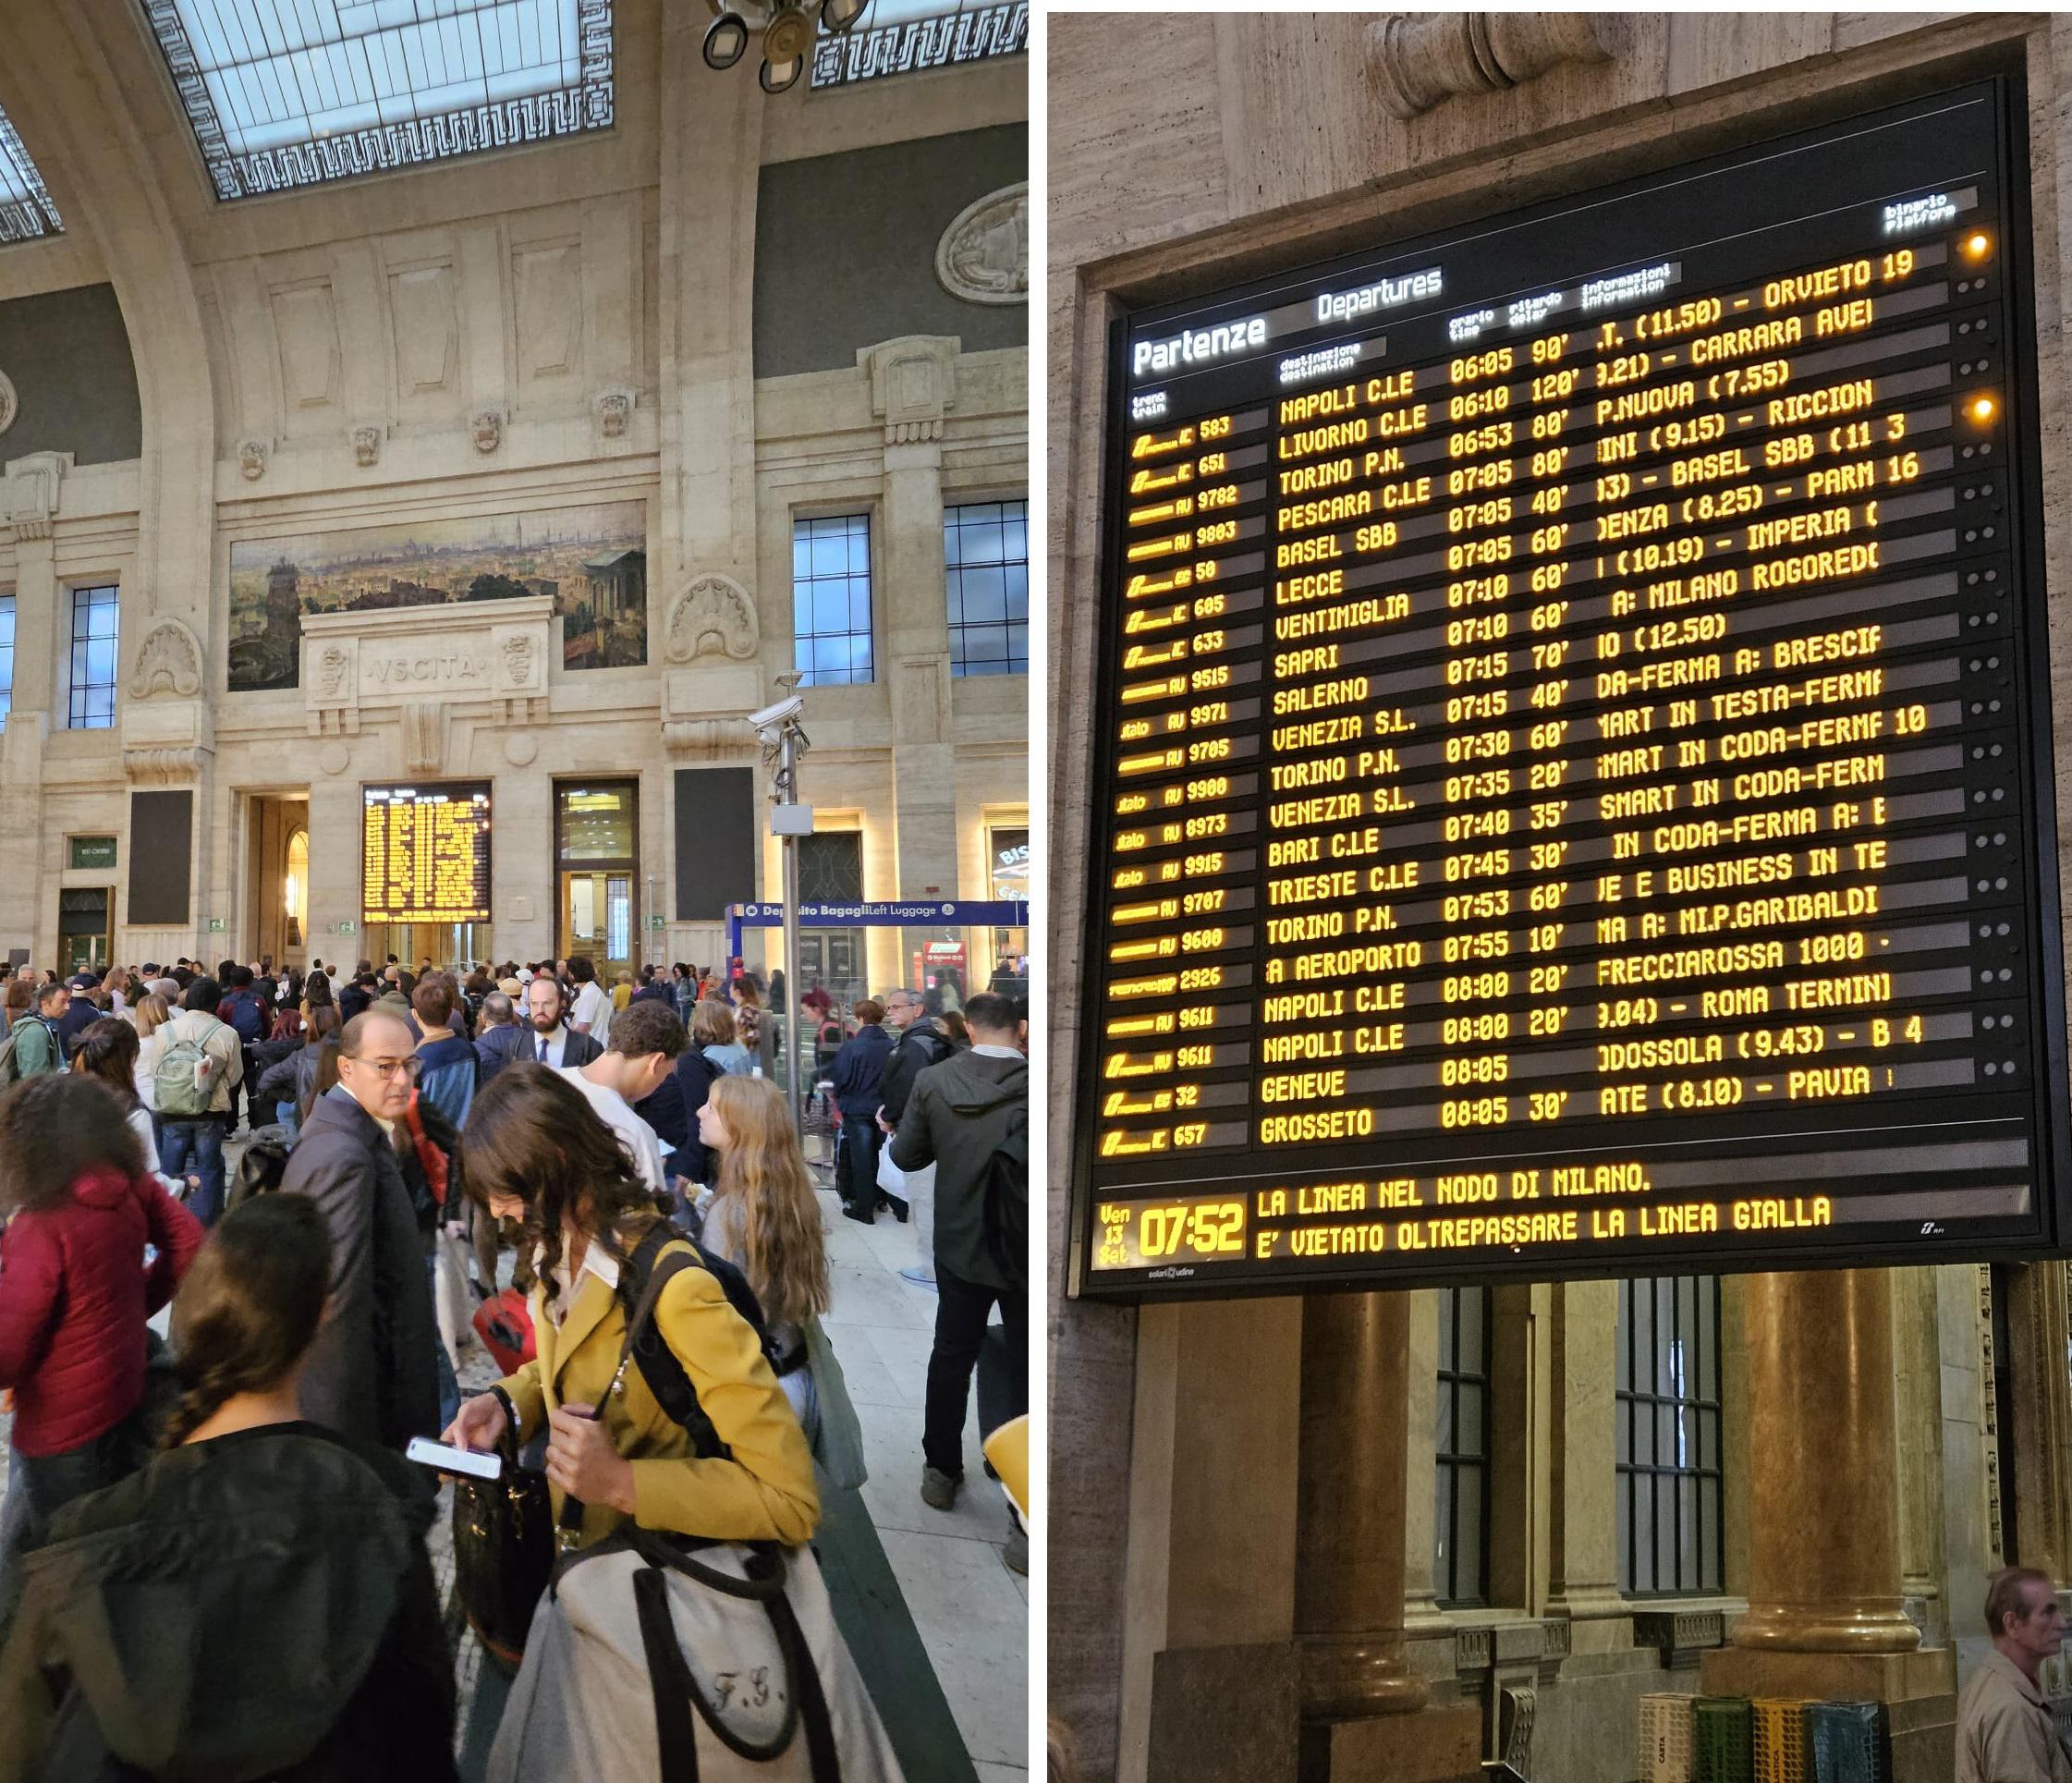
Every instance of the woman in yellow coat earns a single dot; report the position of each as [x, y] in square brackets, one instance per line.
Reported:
[534, 1151]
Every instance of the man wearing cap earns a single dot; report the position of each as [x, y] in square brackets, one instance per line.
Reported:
[79, 1014]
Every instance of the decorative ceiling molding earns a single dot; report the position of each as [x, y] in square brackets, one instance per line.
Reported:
[1417, 59]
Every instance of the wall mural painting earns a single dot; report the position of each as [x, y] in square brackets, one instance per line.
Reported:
[592, 560]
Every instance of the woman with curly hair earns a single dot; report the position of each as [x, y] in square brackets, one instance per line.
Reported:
[533, 1150]
[763, 1219]
[75, 1293]
[292, 1557]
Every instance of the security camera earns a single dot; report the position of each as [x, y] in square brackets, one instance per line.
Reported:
[770, 717]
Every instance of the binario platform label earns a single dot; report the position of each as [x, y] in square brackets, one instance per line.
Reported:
[1572, 783]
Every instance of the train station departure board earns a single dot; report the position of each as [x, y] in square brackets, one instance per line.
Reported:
[1572, 785]
[424, 853]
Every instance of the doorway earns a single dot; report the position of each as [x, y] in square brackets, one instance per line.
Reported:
[597, 846]
[85, 935]
[276, 920]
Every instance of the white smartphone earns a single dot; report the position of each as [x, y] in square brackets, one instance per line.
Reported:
[449, 1460]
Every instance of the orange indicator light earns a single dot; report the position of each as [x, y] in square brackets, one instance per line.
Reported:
[1977, 244]
[1981, 409]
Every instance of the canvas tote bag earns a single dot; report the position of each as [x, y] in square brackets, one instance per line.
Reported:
[689, 1663]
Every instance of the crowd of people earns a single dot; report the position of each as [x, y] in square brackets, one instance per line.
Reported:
[213, 1552]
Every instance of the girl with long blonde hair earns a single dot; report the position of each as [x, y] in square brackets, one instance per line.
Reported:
[763, 1218]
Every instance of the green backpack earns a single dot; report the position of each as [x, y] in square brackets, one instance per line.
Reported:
[184, 1080]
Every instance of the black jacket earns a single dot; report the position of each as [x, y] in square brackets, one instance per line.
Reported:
[677, 1100]
[370, 1374]
[923, 1045]
[858, 1077]
[257, 1605]
[959, 1115]
[500, 1045]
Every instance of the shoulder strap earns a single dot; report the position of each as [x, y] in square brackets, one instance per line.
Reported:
[647, 1272]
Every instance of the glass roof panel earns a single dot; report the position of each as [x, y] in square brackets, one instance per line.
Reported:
[283, 93]
[25, 210]
[902, 36]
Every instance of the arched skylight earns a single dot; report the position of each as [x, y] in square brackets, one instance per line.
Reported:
[285, 93]
[25, 210]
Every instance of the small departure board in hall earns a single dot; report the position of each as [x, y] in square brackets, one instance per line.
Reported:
[424, 853]
[1572, 792]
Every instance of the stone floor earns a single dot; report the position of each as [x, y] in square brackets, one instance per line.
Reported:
[945, 1577]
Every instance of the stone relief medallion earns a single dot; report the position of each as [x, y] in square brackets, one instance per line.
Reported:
[366, 445]
[714, 617]
[517, 661]
[983, 255]
[489, 431]
[170, 656]
[251, 459]
[331, 672]
[334, 758]
[519, 748]
[10, 404]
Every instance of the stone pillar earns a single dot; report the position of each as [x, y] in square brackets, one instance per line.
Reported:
[2043, 1400]
[1582, 1537]
[23, 921]
[1421, 1400]
[1919, 1386]
[912, 386]
[1362, 1703]
[1826, 1615]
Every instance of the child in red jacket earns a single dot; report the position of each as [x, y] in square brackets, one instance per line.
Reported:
[75, 1293]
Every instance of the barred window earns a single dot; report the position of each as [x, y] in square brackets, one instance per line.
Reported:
[1668, 1442]
[1460, 1526]
[95, 626]
[985, 559]
[830, 600]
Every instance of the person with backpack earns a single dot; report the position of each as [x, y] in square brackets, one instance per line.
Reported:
[75, 1292]
[199, 1066]
[372, 1374]
[969, 1118]
[245, 1012]
[32, 1047]
[279, 1569]
[533, 1150]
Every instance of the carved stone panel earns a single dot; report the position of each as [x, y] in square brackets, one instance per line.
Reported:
[547, 280]
[169, 661]
[714, 617]
[983, 255]
[493, 651]
[10, 404]
[30, 497]
[426, 332]
[913, 384]
[305, 328]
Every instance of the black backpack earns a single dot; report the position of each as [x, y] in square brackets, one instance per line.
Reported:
[263, 1165]
[657, 1362]
[1005, 1191]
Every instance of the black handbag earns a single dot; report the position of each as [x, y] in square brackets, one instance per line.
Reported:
[503, 1547]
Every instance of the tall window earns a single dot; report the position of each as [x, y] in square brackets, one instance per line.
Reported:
[1668, 1444]
[94, 629]
[985, 556]
[7, 656]
[1460, 1528]
[830, 600]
